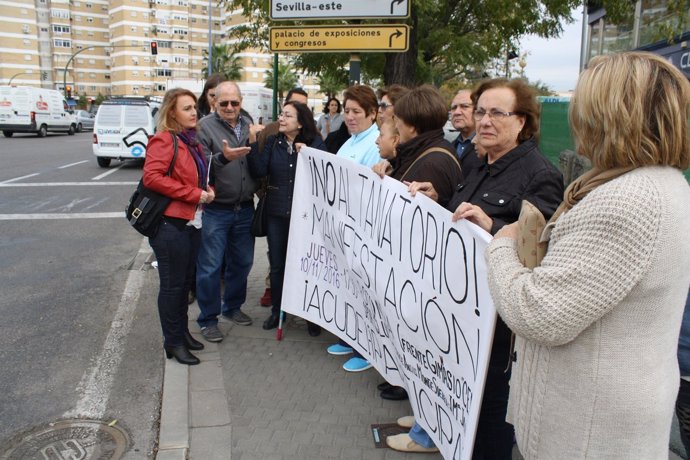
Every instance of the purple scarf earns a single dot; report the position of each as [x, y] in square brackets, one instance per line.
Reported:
[188, 136]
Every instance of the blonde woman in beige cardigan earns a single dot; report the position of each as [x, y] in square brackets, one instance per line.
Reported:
[597, 322]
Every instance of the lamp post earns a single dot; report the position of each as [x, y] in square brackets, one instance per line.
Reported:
[16, 75]
[64, 73]
[210, 39]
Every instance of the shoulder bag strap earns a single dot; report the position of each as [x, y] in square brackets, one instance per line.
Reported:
[425, 153]
[172, 163]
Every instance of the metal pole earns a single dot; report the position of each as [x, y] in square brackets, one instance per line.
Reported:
[210, 39]
[355, 69]
[275, 86]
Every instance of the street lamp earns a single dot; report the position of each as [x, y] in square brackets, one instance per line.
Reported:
[16, 75]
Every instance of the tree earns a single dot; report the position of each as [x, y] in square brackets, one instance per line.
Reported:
[99, 99]
[82, 101]
[287, 79]
[332, 81]
[225, 62]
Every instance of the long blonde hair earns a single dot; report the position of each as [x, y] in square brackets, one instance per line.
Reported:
[166, 122]
[631, 109]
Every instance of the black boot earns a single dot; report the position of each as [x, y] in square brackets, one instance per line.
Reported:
[191, 342]
[182, 355]
[314, 330]
[272, 322]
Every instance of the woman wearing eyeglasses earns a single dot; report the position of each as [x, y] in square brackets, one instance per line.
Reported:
[388, 96]
[207, 100]
[507, 122]
[278, 161]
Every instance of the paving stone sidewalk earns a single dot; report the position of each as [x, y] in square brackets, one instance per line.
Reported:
[254, 398]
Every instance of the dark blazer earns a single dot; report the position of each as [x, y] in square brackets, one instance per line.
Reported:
[499, 188]
[280, 167]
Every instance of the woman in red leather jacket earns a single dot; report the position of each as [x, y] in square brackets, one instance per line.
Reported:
[177, 242]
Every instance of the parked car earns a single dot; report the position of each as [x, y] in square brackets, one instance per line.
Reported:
[85, 120]
[25, 109]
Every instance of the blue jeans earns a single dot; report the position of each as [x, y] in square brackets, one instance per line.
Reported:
[278, 229]
[176, 253]
[224, 233]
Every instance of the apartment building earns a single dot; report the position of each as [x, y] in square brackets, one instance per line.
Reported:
[104, 47]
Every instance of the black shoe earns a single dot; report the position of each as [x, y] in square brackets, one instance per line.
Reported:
[395, 394]
[384, 386]
[272, 322]
[314, 330]
[191, 342]
[182, 355]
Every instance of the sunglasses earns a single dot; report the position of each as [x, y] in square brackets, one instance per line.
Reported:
[232, 103]
[384, 105]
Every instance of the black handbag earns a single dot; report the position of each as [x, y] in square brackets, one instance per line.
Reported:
[145, 209]
[259, 222]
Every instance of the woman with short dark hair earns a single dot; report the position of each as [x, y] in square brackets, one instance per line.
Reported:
[491, 195]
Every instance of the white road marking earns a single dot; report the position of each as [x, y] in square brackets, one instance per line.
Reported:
[96, 383]
[107, 173]
[63, 216]
[64, 184]
[19, 178]
[73, 164]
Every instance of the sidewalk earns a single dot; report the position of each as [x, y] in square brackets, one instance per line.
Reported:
[253, 397]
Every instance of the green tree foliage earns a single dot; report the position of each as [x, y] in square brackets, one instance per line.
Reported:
[332, 81]
[99, 99]
[287, 79]
[224, 62]
[82, 101]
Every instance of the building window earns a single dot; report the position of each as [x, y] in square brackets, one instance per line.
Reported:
[160, 87]
[163, 73]
[133, 29]
[62, 14]
[59, 29]
[27, 57]
[89, 19]
[59, 43]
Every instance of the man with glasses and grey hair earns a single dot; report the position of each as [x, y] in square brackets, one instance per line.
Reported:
[226, 222]
[461, 110]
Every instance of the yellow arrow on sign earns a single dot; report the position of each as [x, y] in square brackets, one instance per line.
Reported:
[352, 38]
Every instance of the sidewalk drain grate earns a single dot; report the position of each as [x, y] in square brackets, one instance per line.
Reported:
[69, 440]
[381, 431]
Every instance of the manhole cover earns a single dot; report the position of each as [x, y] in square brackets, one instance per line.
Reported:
[69, 440]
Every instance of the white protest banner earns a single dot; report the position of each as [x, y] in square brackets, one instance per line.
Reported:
[396, 279]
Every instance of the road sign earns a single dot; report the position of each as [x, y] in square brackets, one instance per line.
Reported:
[352, 38]
[344, 9]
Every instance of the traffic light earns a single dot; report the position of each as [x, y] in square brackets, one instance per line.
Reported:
[69, 91]
[154, 48]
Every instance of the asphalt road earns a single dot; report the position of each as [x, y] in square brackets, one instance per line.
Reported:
[80, 334]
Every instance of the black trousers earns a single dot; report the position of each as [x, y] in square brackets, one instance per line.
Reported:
[176, 250]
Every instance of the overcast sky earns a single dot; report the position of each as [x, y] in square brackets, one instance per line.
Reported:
[555, 61]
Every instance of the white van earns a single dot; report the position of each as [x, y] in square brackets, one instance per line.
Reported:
[122, 129]
[25, 109]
